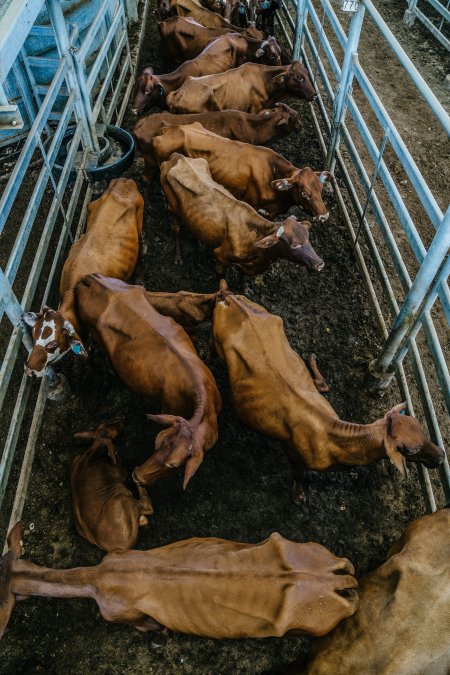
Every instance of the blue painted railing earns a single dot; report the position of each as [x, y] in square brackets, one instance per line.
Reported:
[423, 9]
[73, 82]
[419, 300]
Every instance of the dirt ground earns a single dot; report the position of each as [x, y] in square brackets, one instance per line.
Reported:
[242, 490]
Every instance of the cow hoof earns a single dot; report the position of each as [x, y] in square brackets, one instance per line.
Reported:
[60, 390]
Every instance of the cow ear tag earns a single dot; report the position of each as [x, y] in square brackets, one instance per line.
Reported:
[323, 179]
[76, 348]
[403, 412]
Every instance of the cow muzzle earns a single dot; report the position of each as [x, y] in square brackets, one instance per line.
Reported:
[33, 373]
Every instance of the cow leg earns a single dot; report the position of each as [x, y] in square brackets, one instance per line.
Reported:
[149, 624]
[318, 379]
[222, 254]
[175, 224]
[146, 507]
[298, 493]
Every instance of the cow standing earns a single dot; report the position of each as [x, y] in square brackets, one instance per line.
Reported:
[259, 176]
[257, 129]
[227, 51]
[250, 88]
[184, 39]
[274, 394]
[109, 246]
[154, 357]
[240, 236]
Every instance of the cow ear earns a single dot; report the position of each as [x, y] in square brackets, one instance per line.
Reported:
[324, 176]
[267, 242]
[165, 420]
[399, 408]
[77, 347]
[281, 184]
[395, 456]
[389, 443]
[29, 318]
[191, 467]
[281, 123]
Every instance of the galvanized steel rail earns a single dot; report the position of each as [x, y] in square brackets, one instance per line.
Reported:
[348, 138]
[84, 90]
[413, 12]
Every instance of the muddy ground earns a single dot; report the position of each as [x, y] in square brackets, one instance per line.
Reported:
[242, 490]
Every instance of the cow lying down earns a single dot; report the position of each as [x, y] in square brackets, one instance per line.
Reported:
[105, 511]
[109, 246]
[239, 235]
[208, 587]
[403, 623]
[154, 357]
[250, 88]
[276, 396]
[258, 129]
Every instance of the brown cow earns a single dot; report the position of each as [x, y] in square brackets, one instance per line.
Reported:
[257, 129]
[240, 235]
[203, 16]
[274, 394]
[154, 357]
[220, 54]
[403, 623]
[257, 175]
[184, 39]
[110, 246]
[250, 88]
[207, 587]
[105, 512]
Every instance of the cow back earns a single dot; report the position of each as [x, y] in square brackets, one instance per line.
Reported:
[110, 245]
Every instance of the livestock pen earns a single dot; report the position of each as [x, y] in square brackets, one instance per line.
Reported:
[385, 248]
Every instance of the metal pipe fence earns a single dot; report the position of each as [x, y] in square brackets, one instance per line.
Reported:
[435, 16]
[43, 210]
[360, 140]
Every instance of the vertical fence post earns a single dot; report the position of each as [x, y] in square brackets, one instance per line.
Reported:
[409, 16]
[344, 84]
[300, 20]
[382, 368]
[75, 75]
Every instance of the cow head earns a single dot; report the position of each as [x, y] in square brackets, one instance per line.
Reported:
[253, 32]
[270, 49]
[307, 186]
[290, 241]
[163, 11]
[296, 81]
[175, 447]
[149, 92]
[285, 118]
[103, 437]
[406, 442]
[53, 336]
